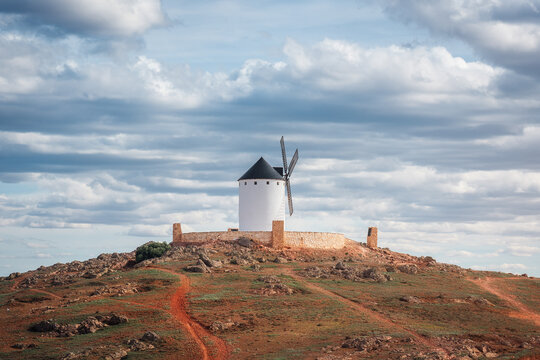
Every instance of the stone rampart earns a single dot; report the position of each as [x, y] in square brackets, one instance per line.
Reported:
[264, 237]
[315, 240]
[293, 239]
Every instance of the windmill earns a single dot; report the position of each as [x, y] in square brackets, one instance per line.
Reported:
[261, 197]
[288, 171]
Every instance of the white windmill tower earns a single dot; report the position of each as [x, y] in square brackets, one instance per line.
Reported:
[262, 193]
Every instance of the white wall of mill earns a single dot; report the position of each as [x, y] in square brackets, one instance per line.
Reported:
[260, 204]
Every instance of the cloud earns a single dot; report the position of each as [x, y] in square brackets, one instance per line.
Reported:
[505, 33]
[92, 18]
[515, 268]
[415, 140]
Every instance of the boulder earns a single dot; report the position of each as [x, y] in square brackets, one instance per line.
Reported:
[150, 336]
[196, 269]
[340, 266]
[255, 267]
[410, 299]
[138, 345]
[217, 326]
[245, 242]
[408, 269]
[23, 346]
[44, 326]
[209, 262]
[90, 325]
[13, 275]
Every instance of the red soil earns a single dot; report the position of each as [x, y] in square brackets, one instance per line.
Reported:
[524, 312]
[197, 332]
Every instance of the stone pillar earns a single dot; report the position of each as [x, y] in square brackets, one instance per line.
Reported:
[177, 232]
[372, 238]
[278, 234]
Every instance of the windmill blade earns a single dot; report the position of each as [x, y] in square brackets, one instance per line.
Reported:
[284, 155]
[293, 162]
[289, 196]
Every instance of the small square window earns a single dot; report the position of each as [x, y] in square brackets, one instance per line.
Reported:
[255, 183]
[268, 183]
[245, 182]
[277, 183]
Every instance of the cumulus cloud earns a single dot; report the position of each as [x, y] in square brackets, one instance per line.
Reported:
[94, 18]
[506, 33]
[415, 140]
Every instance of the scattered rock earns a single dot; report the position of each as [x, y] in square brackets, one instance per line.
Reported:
[280, 260]
[199, 268]
[209, 262]
[23, 346]
[477, 300]
[218, 326]
[340, 266]
[239, 261]
[138, 345]
[44, 326]
[365, 343]
[255, 267]
[13, 275]
[408, 269]
[90, 325]
[245, 242]
[410, 299]
[150, 336]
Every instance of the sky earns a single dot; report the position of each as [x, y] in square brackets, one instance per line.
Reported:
[121, 117]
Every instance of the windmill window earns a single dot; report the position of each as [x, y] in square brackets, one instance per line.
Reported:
[245, 182]
[268, 183]
[277, 183]
[255, 183]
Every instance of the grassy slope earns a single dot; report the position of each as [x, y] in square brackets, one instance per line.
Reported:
[273, 327]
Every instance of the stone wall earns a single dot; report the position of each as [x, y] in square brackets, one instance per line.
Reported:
[315, 240]
[293, 239]
[264, 237]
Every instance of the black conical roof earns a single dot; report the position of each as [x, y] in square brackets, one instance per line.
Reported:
[261, 170]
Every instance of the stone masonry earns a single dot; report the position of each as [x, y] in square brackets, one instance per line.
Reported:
[278, 234]
[177, 232]
[278, 238]
[372, 238]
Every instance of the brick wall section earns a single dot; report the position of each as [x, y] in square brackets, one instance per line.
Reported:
[293, 239]
[177, 232]
[278, 234]
[372, 238]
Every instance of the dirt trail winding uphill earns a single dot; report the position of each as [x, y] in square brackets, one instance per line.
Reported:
[488, 284]
[372, 314]
[197, 332]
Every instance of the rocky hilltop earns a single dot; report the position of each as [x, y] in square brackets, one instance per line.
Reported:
[242, 300]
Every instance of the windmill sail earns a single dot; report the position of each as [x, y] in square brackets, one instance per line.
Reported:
[287, 172]
[284, 155]
[293, 163]
[289, 196]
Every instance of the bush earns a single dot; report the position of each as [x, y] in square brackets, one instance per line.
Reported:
[151, 250]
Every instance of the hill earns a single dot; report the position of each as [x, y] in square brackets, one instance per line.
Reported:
[240, 300]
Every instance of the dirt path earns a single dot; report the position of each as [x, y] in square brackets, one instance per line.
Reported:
[370, 313]
[46, 292]
[197, 332]
[524, 312]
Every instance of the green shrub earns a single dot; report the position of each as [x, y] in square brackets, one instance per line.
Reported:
[151, 250]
